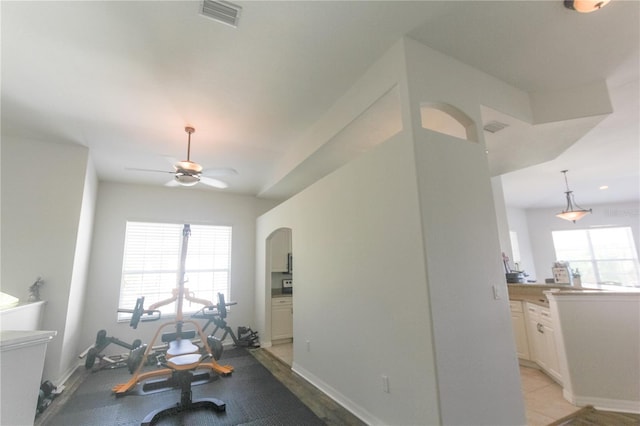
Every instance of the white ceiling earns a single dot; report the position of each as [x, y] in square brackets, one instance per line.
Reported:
[125, 78]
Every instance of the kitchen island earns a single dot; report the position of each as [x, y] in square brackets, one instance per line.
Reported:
[588, 340]
[598, 340]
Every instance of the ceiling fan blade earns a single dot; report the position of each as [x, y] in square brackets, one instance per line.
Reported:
[213, 182]
[135, 169]
[219, 172]
[172, 183]
[169, 159]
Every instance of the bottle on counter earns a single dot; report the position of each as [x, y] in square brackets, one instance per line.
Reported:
[577, 282]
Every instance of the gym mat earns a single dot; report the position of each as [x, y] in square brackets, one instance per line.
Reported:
[253, 396]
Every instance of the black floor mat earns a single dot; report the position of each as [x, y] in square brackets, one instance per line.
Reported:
[251, 394]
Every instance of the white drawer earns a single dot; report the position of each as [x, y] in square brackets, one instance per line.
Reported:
[515, 305]
[281, 301]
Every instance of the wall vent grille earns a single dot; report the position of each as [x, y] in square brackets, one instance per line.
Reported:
[221, 11]
[494, 126]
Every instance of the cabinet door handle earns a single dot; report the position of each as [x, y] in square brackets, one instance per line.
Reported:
[540, 328]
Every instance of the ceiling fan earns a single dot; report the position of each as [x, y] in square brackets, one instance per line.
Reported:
[188, 173]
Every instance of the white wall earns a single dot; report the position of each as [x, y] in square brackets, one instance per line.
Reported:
[501, 216]
[542, 222]
[44, 224]
[360, 295]
[473, 339]
[384, 243]
[600, 335]
[75, 305]
[118, 203]
[517, 219]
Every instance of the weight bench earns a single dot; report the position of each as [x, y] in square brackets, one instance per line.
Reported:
[183, 358]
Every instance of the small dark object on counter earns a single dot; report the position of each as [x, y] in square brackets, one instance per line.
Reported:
[515, 277]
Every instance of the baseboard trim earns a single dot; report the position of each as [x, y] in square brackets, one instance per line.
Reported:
[605, 404]
[332, 393]
[65, 376]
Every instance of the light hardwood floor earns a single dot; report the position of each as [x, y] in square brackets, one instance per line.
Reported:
[542, 396]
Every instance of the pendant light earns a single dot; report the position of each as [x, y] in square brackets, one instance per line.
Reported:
[573, 211]
[585, 6]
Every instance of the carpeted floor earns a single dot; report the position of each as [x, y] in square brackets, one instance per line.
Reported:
[253, 396]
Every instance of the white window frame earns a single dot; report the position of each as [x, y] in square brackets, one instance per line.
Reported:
[596, 262]
[151, 262]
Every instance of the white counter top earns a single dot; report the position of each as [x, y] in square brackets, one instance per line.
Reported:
[13, 339]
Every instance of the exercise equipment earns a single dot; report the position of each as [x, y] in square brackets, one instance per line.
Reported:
[138, 311]
[184, 361]
[46, 394]
[102, 341]
[217, 315]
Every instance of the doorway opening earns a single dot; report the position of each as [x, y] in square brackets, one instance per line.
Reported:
[279, 279]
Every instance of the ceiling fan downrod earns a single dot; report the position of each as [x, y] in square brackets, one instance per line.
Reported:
[189, 130]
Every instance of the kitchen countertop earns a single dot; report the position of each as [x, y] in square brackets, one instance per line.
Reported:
[277, 292]
[14, 339]
[533, 293]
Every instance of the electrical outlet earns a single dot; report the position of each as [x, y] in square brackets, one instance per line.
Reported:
[385, 384]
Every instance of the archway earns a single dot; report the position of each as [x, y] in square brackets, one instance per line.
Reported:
[445, 118]
[279, 281]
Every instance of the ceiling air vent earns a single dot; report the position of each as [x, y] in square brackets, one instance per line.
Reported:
[221, 11]
[494, 126]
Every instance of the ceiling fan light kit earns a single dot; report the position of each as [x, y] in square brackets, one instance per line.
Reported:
[189, 173]
[585, 6]
[572, 211]
[186, 179]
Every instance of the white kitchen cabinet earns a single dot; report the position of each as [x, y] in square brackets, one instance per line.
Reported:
[280, 249]
[519, 329]
[553, 364]
[281, 318]
[542, 342]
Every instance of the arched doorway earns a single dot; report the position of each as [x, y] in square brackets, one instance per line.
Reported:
[279, 279]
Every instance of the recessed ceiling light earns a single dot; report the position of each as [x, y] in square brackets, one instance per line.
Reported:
[604, 187]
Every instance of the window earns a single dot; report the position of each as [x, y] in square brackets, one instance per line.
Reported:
[447, 119]
[515, 246]
[152, 260]
[604, 256]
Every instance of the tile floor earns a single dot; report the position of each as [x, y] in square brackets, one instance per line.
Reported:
[542, 396]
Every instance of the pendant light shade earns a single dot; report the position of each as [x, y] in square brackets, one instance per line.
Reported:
[585, 6]
[572, 211]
